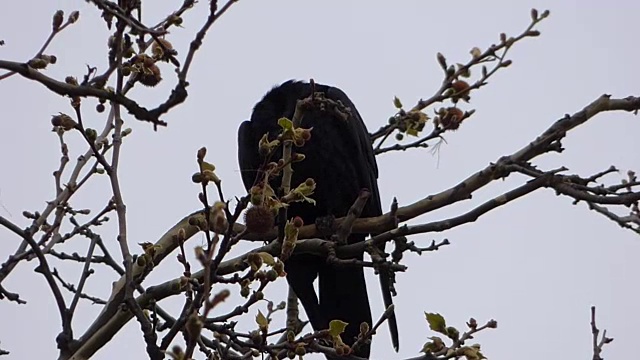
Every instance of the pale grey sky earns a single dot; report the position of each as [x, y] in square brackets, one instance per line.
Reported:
[536, 266]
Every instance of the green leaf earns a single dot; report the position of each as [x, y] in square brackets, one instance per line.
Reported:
[412, 132]
[466, 73]
[267, 258]
[453, 333]
[470, 353]
[436, 344]
[336, 327]
[262, 321]
[285, 123]
[428, 347]
[436, 322]
[397, 103]
[208, 166]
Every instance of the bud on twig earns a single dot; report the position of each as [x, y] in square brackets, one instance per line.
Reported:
[74, 16]
[57, 20]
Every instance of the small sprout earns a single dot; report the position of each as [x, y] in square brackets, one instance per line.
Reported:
[255, 337]
[128, 53]
[92, 134]
[158, 48]
[200, 254]
[472, 324]
[193, 325]
[301, 193]
[71, 80]
[397, 103]
[50, 59]
[219, 221]
[126, 132]
[465, 72]
[451, 70]
[202, 152]
[255, 261]
[297, 157]
[492, 324]
[272, 275]
[437, 343]
[58, 17]
[475, 52]
[149, 248]
[100, 108]
[63, 121]
[174, 20]
[364, 329]
[506, 63]
[337, 327]
[37, 63]
[74, 16]
[262, 321]
[99, 171]
[257, 196]
[399, 136]
[300, 350]
[442, 61]
[211, 176]
[176, 353]
[279, 268]
[453, 333]
[290, 238]
[265, 147]
[141, 261]
[534, 14]
[206, 166]
[470, 353]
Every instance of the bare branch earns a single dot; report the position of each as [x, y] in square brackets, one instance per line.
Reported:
[597, 343]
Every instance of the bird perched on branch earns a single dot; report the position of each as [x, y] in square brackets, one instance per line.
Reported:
[340, 158]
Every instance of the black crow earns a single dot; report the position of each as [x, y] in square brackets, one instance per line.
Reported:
[340, 158]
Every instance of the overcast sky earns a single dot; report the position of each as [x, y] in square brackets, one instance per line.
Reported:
[536, 265]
